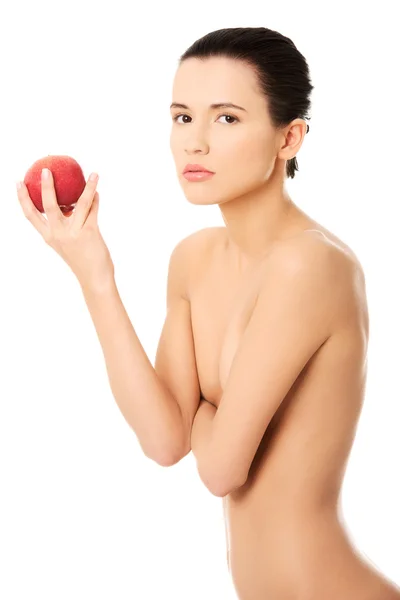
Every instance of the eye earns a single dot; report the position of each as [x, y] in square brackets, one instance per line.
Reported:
[230, 117]
[177, 117]
[235, 119]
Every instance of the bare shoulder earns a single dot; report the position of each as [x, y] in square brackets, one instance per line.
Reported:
[313, 253]
[332, 269]
[332, 257]
[192, 251]
[199, 240]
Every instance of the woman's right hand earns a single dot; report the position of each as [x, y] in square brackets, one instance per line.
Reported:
[76, 238]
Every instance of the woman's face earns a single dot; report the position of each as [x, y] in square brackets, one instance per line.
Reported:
[240, 148]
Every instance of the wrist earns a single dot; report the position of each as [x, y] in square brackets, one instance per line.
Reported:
[98, 286]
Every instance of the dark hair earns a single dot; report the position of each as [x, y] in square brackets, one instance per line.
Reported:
[282, 71]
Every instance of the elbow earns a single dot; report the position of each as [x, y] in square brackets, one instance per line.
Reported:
[221, 483]
[163, 459]
[172, 455]
[175, 449]
[167, 460]
[167, 457]
[169, 451]
[222, 488]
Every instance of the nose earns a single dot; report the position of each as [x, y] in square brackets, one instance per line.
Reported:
[195, 150]
[196, 146]
[196, 143]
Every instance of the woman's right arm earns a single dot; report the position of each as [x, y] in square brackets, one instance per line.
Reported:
[158, 403]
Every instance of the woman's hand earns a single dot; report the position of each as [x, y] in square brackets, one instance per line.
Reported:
[75, 238]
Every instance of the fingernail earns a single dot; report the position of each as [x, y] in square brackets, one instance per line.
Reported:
[93, 177]
[45, 173]
[19, 185]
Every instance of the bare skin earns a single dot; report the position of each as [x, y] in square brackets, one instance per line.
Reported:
[285, 535]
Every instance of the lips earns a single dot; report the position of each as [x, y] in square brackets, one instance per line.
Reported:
[198, 175]
[196, 169]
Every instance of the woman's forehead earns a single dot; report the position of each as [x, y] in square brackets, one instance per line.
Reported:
[199, 84]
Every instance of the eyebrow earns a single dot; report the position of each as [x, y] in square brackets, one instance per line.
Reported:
[212, 106]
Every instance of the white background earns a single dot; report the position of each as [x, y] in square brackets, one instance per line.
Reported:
[83, 513]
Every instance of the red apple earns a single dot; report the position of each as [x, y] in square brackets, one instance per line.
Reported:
[68, 177]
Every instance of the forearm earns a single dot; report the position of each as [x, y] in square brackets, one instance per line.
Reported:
[202, 431]
[143, 400]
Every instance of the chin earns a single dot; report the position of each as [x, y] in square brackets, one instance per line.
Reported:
[203, 195]
[199, 194]
[201, 199]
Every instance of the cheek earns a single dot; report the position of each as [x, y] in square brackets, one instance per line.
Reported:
[256, 150]
[244, 168]
[249, 159]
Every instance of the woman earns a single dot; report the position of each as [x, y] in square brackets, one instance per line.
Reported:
[267, 326]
